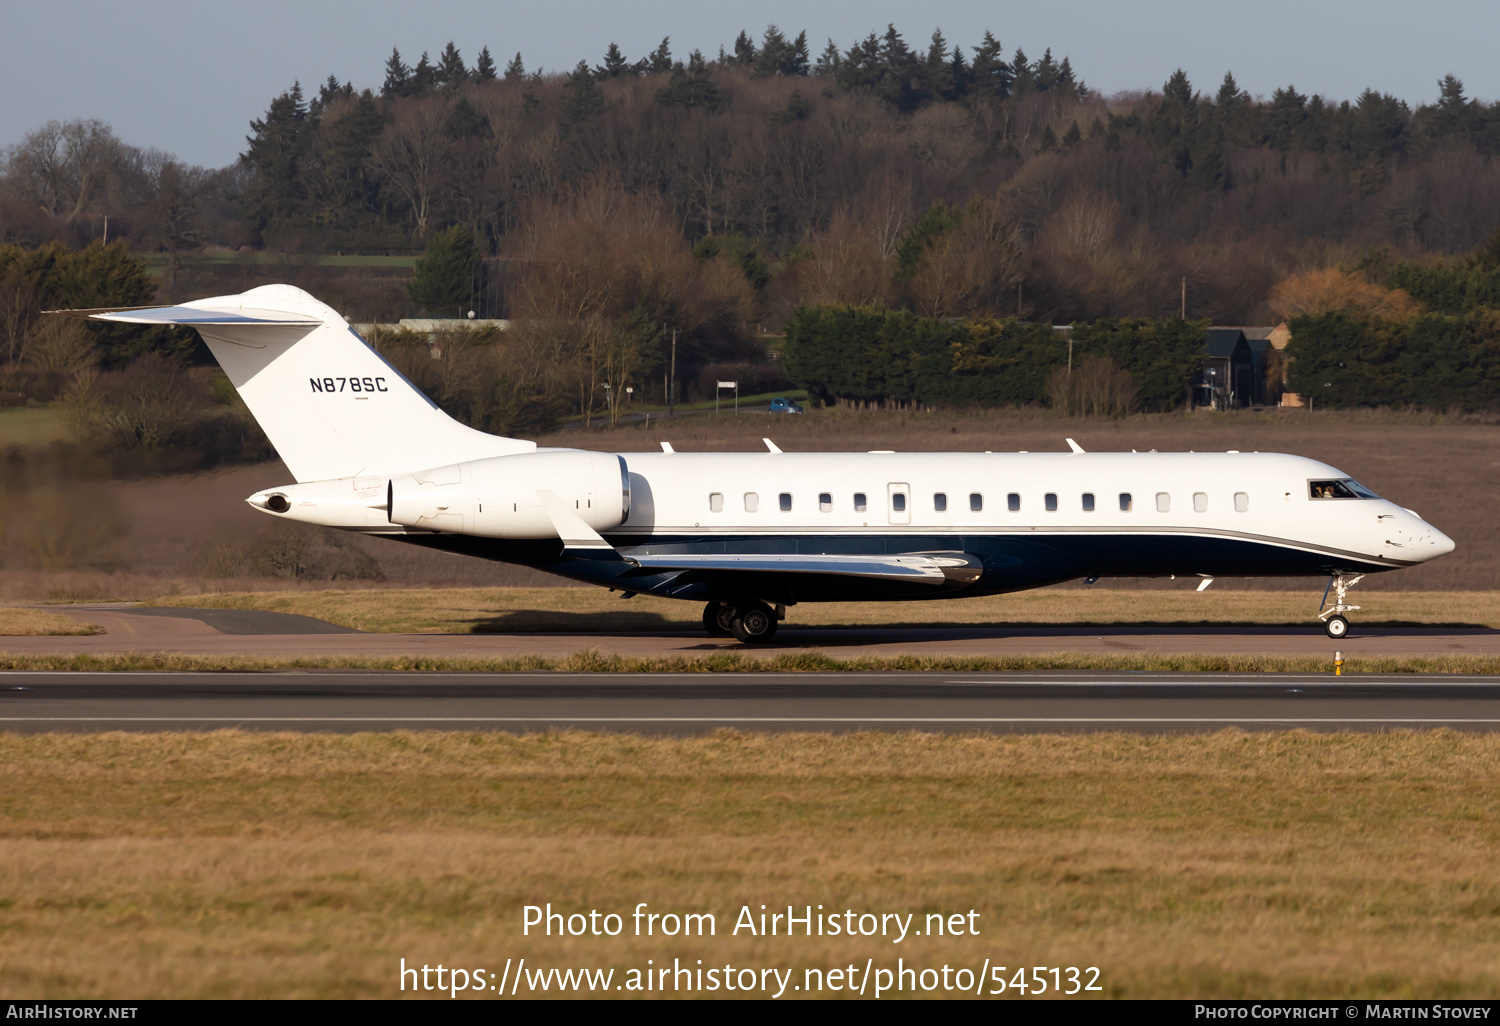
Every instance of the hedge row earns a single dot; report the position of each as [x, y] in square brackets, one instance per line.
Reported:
[1438, 361]
[876, 355]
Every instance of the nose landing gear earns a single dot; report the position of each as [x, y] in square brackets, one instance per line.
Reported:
[1335, 623]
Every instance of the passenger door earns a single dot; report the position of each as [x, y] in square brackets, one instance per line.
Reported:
[898, 502]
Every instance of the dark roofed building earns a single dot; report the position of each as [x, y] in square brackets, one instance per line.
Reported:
[1226, 379]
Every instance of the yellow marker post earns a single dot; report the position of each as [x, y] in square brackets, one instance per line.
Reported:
[1338, 664]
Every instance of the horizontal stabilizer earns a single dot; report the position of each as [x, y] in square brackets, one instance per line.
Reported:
[921, 568]
[190, 316]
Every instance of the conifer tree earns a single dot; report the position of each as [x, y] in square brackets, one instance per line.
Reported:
[1229, 91]
[1046, 73]
[692, 86]
[484, 68]
[443, 281]
[451, 72]
[800, 60]
[423, 77]
[397, 77]
[276, 148]
[661, 57]
[960, 75]
[744, 50]
[1022, 76]
[614, 64]
[937, 75]
[583, 99]
[828, 61]
[774, 54]
[515, 70]
[993, 77]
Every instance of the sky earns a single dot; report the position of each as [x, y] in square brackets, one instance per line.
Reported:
[187, 76]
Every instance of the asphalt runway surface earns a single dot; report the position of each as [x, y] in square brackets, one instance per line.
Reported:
[242, 632]
[350, 701]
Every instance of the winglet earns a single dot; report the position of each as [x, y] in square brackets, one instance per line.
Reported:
[578, 538]
[772, 446]
[1073, 445]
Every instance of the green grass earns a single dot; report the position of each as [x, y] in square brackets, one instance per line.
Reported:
[31, 425]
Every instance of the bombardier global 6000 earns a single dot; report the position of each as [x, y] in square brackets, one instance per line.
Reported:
[749, 534]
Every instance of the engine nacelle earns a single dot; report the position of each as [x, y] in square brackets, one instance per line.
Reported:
[497, 497]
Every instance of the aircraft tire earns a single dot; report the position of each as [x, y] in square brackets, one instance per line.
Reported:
[718, 620]
[1336, 627]
[754, 623]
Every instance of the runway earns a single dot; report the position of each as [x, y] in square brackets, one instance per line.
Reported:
[223, 632]
[350, 701]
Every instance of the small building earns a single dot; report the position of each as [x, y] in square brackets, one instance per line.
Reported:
[1226, 377]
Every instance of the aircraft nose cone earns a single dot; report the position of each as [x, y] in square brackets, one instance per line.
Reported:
[1438, 544]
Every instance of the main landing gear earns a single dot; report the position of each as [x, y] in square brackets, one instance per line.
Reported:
[752, 622]
[1335, 623]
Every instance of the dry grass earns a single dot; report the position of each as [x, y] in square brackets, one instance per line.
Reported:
[524, 610]
[1230, 865]
[16, 623]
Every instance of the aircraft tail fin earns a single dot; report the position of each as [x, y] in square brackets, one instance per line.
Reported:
[330, 404]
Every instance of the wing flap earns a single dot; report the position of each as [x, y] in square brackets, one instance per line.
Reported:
[916, 567]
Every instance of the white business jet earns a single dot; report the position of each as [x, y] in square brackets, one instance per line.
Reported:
[750, 534]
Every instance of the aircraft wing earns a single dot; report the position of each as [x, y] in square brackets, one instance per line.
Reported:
[917, 567]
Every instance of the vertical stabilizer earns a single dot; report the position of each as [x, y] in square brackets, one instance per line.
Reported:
[330, 404]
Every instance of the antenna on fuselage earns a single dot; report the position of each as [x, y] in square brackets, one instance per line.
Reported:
[1073, 445]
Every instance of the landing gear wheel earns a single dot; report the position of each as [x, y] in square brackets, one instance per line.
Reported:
[754, 623]
[718, 620]
[1336, 627]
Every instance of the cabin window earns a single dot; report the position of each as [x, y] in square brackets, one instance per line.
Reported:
[1163, 502]
[1088, 502]
[752, 502]
[1126, 503]
[898, 502]
[1013, 502]
[1241, 502]
[825, 502]
[940, 502]
[859, 502]
[716, 502]
[1051, 501]
[976, 502]
[1200, 502]
[1345, 489]
[786, 502]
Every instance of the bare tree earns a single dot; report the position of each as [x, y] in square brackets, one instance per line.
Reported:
[410, 155]
[63, 166]
[20, 299]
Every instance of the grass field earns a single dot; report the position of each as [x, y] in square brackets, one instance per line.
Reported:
[31, 425]
[1230, 865]
[520, 610]
[17, 623]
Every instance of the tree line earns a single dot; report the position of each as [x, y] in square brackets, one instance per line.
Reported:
[1114, 202]
[639, 200]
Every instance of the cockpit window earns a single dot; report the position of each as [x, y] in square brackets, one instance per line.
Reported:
[1342, 489]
